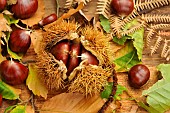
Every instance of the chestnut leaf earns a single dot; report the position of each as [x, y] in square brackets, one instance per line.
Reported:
[19, 109]
[8, 92]
[105, 23]
[126, 57]
[34, 84]
[108, 90]
[158, 95]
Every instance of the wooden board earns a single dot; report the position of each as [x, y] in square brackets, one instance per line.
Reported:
[50, 7]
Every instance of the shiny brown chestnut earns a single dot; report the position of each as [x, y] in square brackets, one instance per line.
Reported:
[122, 7]
[19, 41]
[13, 72]
[91, 59]
[2, 4]
[138, 75]
[25, 9]
[74, 60]
[61, 51]
[47, 20]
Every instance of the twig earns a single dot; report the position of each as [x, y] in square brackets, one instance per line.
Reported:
[111, 97]
[58, 7]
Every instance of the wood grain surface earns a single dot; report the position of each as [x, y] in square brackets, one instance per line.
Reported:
[150, 61]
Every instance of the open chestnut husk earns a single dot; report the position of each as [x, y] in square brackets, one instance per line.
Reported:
[75, 69]
[13, 72]
[19, 41]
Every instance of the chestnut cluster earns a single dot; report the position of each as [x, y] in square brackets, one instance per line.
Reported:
[71, 52]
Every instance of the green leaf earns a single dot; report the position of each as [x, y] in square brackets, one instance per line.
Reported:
[11, 19]
[165, 70]
[8, 109]
[108, 90]
[33, 82]
[120, 41]
[19, 109]
[119, 91]
[158, 95]
[8, 92]
[125, 58]
[105, 23]
[138, 42]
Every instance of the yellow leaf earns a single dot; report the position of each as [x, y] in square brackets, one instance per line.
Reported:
[74, 103]
[37, 16]
[36, 38]
[34, 83]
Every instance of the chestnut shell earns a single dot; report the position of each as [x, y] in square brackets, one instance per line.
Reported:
[2, 4]
[13, 72]
[19, 41]
[138, 75]
[24, 9]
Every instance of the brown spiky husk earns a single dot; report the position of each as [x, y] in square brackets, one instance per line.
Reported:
[98, 44]
[51, 71]
[90, 79]
[85, 79]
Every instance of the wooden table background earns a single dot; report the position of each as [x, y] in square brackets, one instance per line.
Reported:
[50, 7]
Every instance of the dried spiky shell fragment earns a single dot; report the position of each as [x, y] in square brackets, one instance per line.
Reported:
[98, 44]
[90, 79]
[51, 71]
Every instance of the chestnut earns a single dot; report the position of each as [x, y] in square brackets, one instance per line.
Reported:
[12, 72]
[24, 9]
[2, 4]
[122, 7]
[61, 51]
[47, 20]
[74, 60]
[91, 59]
[138, 75]
[19, 41]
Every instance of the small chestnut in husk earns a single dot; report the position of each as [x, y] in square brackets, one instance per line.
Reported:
[91, 59]
[122, 7]
[12, 72]
[61, 51]
[25, 9]
[47, 20]
[2, 4]
[19, 41]
[138, 75]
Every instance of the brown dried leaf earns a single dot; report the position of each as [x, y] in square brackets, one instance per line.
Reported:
[71, 12]
[4, 24]
[11, 2]
[36, 38]
[74, 103]
[29, 109]
[37, 16]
